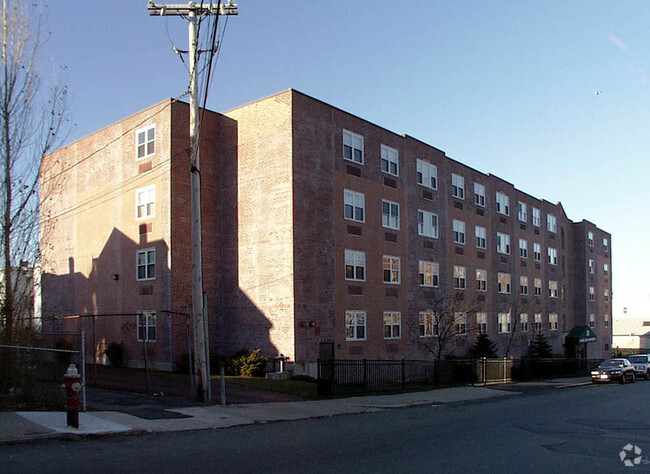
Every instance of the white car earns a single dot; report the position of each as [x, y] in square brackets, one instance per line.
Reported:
[641, 363]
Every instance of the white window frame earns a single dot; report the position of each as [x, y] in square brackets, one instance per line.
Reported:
[552, 255]
[523, 248]
[605, 269]
[605, 245]
[503, 243]
[354, 320]
[503, 203]
[551, 223]
[145, 201]
[149, 264]
[592, 293]
[479, 194]
[390, 220]
[428, 324]
[355, 260]
[523, 285]
[349, 139]
[522, 211]
[457, 186]
[480, 234]
[392, 330]
[591, 266]
[427, 224]
[504, 323]
[389, 160]
[481, 279]
[537, 284]
[606, 294]
[146, 330]
[459, 231]
[537, 252]
[427, 174]
[460, 323]
[355, 201]
[606, 320]
[552, 289]
[592, 320]
[460, 277]
[504, 283]
[523, 319]
[537, 217]
[553, 321]
[481, 323]
[143, 139]
[590, 238]
[394, 274]
[430, 269]
[538, 322]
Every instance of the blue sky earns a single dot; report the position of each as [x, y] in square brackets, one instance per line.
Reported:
[507, 87]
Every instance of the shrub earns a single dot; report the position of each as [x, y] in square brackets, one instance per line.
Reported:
[249, 364]
[115, 353]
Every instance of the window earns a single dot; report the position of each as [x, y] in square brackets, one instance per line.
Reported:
[536, 217]
[427, 174]
[523, 285]
[606, 294]
[522, 211]
[552, 289]
[551, 223]
[523, 317]
[389, 160]
[146, 142]
[481, 239]
[606, 320]
[392, 324]
[503, 243]
[592, 293]
[460, 323]
[459, 232]
[145, 202]
[590, 264]
[503, 204]
[552, 321]
[590, 238]
[503, 283]
[146, 264]
[352, 147]
[538, 322]
[592, 320]
[457, 186]
[390, 214]
[355, 325]
[481, 323]
[354, 205]
[538, 286]
[427, 224]
[147, 326]
[479, 195]
[428, 273]
[481, 280]
[552, 256]
[428, 324]
[605, 245]
[459, 277]
[537, 252]
[523, 248]
[355, 265]
[605, 269]
[391, 269]
[504, 322]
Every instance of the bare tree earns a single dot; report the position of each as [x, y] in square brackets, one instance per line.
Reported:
[447, 315]
[518, 306]
[33, 122]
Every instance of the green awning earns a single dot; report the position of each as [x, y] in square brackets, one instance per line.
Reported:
[583, 334]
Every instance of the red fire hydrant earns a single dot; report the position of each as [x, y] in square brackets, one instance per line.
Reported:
[72, 390]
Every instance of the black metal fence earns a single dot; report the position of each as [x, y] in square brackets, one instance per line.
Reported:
[348, 377]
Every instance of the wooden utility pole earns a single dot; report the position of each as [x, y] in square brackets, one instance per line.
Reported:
[192, 11]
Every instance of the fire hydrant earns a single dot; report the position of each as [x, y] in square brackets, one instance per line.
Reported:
[72, 389]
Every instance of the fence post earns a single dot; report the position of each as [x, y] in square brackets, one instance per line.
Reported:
[403, 375]
[83, 369]
[365, 375]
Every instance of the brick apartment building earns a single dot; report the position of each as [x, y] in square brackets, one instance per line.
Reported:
[322, 232]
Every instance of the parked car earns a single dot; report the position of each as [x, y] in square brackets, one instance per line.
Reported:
[614, 369]
[641, 363]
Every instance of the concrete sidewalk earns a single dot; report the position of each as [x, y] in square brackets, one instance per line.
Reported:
[26, 426]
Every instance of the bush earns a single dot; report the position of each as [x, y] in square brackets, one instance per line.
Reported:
[115, 353]
[250, 365]
[243, 362]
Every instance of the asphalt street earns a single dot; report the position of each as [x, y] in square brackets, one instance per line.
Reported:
[578, 429]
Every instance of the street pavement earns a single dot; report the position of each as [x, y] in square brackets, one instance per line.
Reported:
[164, 415]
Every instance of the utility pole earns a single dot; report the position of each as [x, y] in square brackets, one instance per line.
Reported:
[192, 11]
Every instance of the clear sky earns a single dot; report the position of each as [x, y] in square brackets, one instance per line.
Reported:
[507, 87]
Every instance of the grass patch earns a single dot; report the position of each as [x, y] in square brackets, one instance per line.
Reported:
[299, 388]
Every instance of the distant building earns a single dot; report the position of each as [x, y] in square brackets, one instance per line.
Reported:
[323, 233]
[631, 333]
